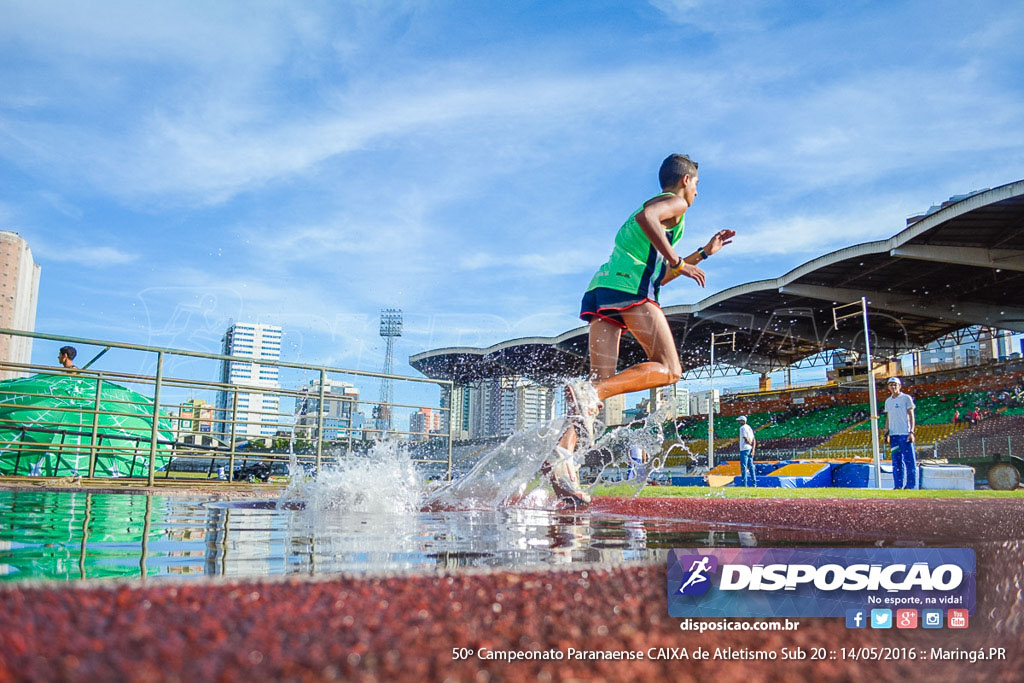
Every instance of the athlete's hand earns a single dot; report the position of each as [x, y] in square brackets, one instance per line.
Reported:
[719, 240]
[692, 272]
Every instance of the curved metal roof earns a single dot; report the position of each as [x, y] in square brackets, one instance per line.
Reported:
[960, 266]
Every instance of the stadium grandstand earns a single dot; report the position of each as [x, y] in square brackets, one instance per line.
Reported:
[957, 267]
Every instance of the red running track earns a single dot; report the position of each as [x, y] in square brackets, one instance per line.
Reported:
[405, 627]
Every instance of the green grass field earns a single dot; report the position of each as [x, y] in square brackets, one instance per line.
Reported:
[741, 492]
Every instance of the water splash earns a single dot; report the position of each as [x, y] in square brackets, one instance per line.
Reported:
[506, 474]
[614, 452]
[383, 481]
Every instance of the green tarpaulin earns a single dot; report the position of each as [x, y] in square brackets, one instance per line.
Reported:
[46, 427]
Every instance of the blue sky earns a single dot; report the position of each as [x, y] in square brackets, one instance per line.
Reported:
[175, 166]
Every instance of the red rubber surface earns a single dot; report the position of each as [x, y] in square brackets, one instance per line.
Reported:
[404, 628]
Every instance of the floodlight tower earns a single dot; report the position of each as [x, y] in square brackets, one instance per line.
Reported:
[390, 327]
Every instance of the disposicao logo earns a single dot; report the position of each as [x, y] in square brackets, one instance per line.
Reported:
[782, 582]
[696, 579]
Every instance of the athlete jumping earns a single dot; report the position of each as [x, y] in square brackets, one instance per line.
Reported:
[623, 296]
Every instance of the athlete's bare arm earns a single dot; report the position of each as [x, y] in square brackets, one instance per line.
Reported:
[657, 215]
[717, 241]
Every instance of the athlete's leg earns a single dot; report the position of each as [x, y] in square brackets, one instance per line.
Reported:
[604, 358]
[604, 349]
[747, 468]
[910, 465]
[650, 328]
[896, 448]
[648, 325]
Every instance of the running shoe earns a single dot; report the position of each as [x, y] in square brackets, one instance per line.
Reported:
[565, 478]
[583, 406]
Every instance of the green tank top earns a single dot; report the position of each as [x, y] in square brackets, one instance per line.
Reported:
[635, 266]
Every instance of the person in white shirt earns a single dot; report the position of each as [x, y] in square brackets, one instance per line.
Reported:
[637, 458]
[747, 445]
[899, 426]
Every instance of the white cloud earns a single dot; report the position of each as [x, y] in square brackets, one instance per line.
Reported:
[90, 256]
[560, 262]
[712, 16]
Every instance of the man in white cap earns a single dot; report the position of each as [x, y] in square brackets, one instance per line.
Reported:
[747, 445]
[899, 425]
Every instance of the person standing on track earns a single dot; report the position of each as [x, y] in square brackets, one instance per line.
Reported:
[747, 445]
[899, 426]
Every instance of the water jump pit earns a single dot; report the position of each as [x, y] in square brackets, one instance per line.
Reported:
[342, 582]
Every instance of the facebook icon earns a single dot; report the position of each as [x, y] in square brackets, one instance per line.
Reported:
[856, 618]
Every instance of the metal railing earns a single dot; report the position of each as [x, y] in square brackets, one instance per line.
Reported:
[985, 447]
[172, 418]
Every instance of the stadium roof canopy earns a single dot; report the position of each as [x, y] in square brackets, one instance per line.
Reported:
[959, 266]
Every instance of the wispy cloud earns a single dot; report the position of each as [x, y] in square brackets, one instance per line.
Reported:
[89, 256]
[555, 262]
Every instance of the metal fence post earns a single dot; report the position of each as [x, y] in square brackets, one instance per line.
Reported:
[143, 572]
[234, 426]
[320, 420]
[156, 417]
[451, 426]
[95, 428]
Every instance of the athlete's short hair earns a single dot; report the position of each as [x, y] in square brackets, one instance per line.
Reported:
[68, 351]
[674, 168]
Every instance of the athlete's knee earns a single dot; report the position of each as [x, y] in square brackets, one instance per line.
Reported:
[674, 372]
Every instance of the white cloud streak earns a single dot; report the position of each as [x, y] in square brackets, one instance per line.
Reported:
[89, 256]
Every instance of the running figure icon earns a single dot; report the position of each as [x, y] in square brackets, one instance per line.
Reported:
[697, 573]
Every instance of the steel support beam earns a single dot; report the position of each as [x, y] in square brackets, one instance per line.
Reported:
[964, 313]
[1005, 259]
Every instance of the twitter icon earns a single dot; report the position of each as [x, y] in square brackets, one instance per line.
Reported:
[881, 618]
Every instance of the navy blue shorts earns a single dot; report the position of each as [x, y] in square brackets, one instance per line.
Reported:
[607, 304]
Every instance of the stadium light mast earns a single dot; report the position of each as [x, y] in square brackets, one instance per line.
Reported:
[716, 339]
[390, 327]
[872, 391]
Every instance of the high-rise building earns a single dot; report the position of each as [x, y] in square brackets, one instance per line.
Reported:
[494, 407]
[258, 412]
[612, 414]
[195, 416]
[701, 401]
[424, 422]
[19, 290]
[501, 406]
[676, 399]
[341, 402]
[458, 407]
[534, 405]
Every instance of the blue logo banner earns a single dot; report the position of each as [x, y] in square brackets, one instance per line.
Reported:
[817, 582]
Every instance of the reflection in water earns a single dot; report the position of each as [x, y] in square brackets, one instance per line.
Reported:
[50, 535]
[78, 536]
[69, 536]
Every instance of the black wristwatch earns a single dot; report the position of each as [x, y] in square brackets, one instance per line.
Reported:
[703, 254]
